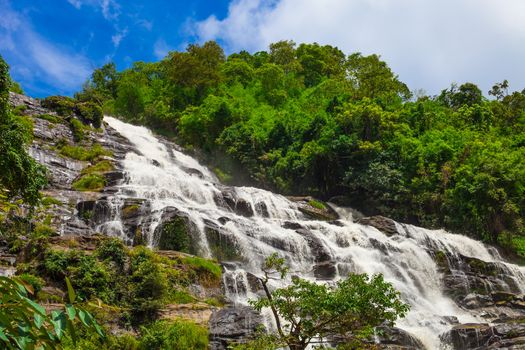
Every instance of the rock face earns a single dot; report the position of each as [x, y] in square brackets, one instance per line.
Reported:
[232, 325]
[385, 225]
[314, 209]
[482, 336]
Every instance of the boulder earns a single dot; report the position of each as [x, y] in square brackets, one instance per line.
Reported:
[314, 209]
[383, 224]
[325, 270]
[232, 325]
[243, 207]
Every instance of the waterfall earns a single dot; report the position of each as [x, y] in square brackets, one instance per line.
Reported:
[318, 250]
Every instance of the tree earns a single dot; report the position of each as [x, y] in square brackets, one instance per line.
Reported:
[21, 176]
[304, 310]
[24, 324]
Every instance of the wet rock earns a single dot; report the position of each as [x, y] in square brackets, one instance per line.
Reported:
[396, 338]
[505, 297]
[223, 220]
[314, 209]
[484, 337]
[316, 246]
[244, 208]
[155, 162]
[383, 224]
[325, 270]
[469, 336]
[262, 209]
[475, 301]
[254, 283]
[113, 178]
[223, 245]
[175, 232]
[194, 172]
[231, 325]
[292, 225]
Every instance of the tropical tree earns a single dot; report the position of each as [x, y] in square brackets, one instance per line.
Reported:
[306, 312]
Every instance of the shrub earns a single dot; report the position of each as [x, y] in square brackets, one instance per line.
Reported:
[48, 201]
[112, 249]
[63, 105]
[90, 182]
[34, 281]
[90, 112]
[77, 128]
[174, 335]
[174, 236]
[100, 167]
[50, 118]
[83, 153]
[149, 286]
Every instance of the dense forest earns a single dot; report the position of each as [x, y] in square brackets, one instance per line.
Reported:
[309, 119]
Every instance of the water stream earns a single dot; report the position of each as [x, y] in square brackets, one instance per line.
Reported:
[167, 177]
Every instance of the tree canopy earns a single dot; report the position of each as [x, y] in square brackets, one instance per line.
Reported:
[348, 311]
[310, 119]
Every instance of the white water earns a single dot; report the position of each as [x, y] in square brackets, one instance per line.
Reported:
[403, 259]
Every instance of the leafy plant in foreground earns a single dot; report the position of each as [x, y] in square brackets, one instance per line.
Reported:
[24, 324]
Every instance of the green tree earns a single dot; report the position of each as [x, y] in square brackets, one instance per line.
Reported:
[304, 310]
[21, 175]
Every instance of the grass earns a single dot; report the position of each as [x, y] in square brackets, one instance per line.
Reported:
[50, 118]
[48, 201]
[83, 153]
[90, 182]
[98, 168]
[317, 204]
[203, 264]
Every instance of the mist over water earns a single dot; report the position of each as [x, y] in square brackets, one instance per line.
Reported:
[166, 177]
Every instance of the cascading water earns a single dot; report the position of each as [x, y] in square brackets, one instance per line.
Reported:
[165, 177]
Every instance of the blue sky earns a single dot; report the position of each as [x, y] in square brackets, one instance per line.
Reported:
[53, 45]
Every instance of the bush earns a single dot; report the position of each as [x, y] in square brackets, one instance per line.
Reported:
[174, 236]
[100, 167]
[77, 128]
[148, 286]
[83, 153]
[112, 249]
[34, 281]
[174, 335]
[90, 182]
[50, 118]
[63, 105]
[90, 112]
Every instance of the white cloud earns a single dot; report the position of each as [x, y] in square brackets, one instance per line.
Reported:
[161, 48]
[117, 38]
[429, 43]
[75, 3]
[110, 8]
[35, 59]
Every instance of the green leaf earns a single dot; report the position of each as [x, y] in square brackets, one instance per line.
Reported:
[71, 312]
[35, 306]
[39, 320]
[2, 335]
[70, 291]
[85, 317]
[60, 323]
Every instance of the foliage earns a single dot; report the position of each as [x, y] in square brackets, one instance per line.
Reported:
[84, 153]
[305, 310]
[89, 182]
[174, 335]
[308, 118]
[24, 324]
[21, 175]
